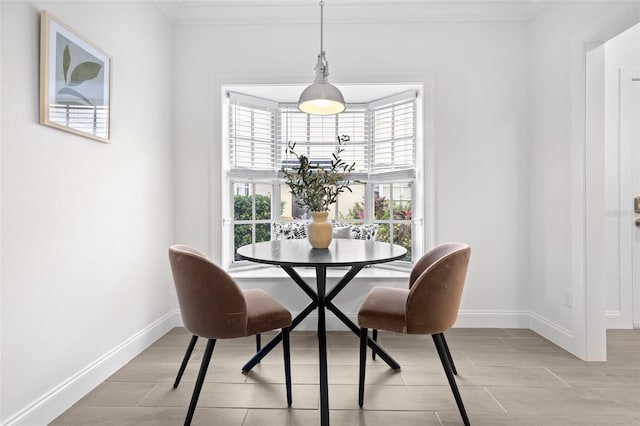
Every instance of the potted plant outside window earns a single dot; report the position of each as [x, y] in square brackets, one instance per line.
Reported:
[317, 187]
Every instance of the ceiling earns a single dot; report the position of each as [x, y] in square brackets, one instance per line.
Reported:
[229, 12]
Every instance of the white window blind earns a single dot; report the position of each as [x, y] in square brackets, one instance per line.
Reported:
[252, 133]
[316, 136]
[383, 134]
[393, 134]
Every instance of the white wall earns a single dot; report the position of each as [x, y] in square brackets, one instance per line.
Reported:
[85, 225]
[560, 178]
[621, 52]
[479, 75]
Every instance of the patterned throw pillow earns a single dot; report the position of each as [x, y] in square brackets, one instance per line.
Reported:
[358, 232]
[290, 231]
[298, 230]
[364, 232]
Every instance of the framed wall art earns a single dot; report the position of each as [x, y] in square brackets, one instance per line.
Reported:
[75, 81]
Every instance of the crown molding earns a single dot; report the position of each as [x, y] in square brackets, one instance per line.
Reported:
[252, 12]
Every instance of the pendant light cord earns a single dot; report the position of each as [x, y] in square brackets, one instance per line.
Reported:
[321, 24]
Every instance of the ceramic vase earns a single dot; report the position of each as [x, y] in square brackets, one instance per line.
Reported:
[320, 230]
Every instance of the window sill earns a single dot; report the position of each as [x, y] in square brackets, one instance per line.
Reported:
[269, 272]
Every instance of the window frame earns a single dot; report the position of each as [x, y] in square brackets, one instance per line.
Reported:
[369, 179]
[254, 221]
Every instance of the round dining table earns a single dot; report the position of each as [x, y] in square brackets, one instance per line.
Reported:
[290, 254]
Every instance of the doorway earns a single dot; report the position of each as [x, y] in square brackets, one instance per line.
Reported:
[629, 211]
[631, 116]
[622, 179]
[590, 314]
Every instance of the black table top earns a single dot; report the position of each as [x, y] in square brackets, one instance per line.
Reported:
[341, 252]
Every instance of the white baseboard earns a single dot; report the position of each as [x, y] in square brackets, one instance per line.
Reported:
[466, 318]
[493, 319]
[616, 319]
[551, 331]
[51, 405]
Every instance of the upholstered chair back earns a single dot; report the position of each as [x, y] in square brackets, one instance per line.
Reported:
[435, 293]
[211, 303]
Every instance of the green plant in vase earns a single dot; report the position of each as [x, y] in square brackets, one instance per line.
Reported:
[317, 187]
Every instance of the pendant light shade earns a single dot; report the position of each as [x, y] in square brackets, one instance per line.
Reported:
[322, 97]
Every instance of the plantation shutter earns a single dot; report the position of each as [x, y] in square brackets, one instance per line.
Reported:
[393, 133]
[252, 135]
[382, 136]
[316, 136]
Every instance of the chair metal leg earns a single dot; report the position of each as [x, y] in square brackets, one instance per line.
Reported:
[287, 362]
[258, 343]
[446, 347]
[442, 353]
[185, 361]
[363, 364]
[206, 358]
[375, 339]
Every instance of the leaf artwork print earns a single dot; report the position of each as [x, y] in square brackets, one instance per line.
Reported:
[83, 86]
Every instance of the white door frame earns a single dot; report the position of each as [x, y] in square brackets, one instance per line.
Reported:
[629, 188]
[623, 187]
[589, 290]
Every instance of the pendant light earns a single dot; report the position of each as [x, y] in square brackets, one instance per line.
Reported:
[322, 97]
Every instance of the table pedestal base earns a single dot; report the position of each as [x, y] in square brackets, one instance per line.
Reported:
[321, 300]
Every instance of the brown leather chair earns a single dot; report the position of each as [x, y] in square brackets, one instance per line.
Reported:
[429, 306]
[214, 307]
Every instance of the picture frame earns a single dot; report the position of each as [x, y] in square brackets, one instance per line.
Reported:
[75, 81]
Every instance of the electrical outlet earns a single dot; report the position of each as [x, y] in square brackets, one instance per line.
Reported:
[567, 301]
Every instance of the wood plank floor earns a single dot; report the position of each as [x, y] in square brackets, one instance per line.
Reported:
[506, 377]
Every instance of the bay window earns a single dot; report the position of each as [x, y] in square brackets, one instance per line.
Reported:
[383, 140]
